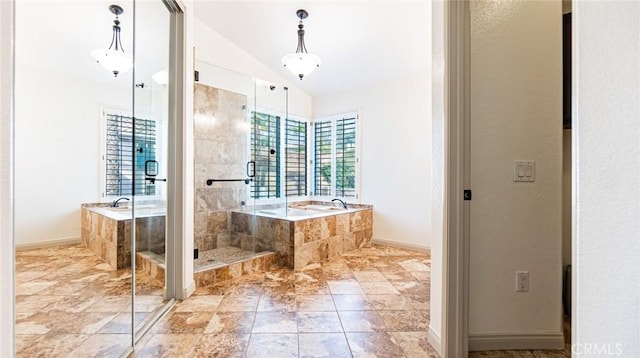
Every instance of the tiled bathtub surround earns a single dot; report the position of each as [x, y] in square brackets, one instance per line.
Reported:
[299, 241]
[108, 234]
[220, 135]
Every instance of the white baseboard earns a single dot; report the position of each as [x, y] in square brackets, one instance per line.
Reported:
[48, 243]
[504, 341]
[188, 291]
[434, 341]
[402, 245]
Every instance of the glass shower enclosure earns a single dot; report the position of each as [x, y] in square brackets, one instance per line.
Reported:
[237, 125]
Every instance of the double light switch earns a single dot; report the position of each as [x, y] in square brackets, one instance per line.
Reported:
[524, 170]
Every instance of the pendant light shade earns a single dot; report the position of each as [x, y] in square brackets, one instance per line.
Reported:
[301, 63]
[114, 58]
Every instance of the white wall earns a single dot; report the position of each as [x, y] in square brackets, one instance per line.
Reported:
[395, 160]
[57, 148]
[606, 151]
[7, 263]
[516, 114]
[212, 48]
[437, 173]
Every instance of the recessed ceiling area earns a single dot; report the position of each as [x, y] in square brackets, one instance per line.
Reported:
[359, 42]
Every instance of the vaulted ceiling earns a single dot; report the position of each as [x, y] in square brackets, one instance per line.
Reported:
[359, 42]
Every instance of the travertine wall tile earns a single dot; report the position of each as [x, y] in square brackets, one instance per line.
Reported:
[220, 152]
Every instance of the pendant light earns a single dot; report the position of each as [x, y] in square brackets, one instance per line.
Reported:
[301, 63]
[114, 59]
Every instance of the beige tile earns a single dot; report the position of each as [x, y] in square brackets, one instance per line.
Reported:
[168, 345]
[315, 303]
[415, 265]
[415, 344]
[87, 323]
[334, 345]
[374, 344]
[369, 276]
[103, 345]
[272, 303]
[280, 345]
[32, 304]
[221, 345]
[406, 321]
[55, 345]
[318, 322]
[231, 322]
[362, 321]
[31, 287]
[422, 275]
[208, 303]
[238, 303]
[183, 322]
[121, 323]
[352, 303]
[275, 322]
[378, 288]
[390, 302]
[110, 304]
[345, 288]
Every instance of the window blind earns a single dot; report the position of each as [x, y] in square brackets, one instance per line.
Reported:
[121, 165]
[295, 158]
[265, 147]
[322, 158]
[346, 157]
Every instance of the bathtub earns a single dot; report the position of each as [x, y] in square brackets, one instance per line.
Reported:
[303, 212]
[124, 212]
[306, 233]
[107, 231]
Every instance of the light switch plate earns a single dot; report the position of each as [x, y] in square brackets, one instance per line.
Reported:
[524, 171]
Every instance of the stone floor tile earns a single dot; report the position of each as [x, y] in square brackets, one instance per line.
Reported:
[374, 344]
[275, 322]
[279, 345]
[315, 303]
[318, 322]
[362, 321]
[345, 288]
[167, 345]
[227, 345]
[231, 322]
[334, 345]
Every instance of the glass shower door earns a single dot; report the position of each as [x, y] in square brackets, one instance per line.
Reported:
[151, 123]
[223, 222]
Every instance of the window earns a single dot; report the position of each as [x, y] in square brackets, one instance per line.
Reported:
[265, 152]
[295, 139]
[322, 158]
[346, 157]
[335, 156]
[282, 149]
[119, 154]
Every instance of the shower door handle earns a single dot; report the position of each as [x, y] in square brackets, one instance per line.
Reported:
[251, 168]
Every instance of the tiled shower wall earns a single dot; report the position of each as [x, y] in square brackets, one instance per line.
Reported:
[220, 134]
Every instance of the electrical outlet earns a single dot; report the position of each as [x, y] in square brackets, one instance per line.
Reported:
[522, 281]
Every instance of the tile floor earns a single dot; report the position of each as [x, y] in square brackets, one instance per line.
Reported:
[372, 302]
[70, 303]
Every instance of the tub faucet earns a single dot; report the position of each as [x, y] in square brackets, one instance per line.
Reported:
[116, 203]
[344, 204]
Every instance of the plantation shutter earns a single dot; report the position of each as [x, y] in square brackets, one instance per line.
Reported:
[295, 158]
[121, 166]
